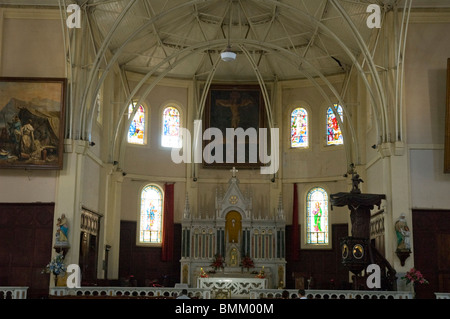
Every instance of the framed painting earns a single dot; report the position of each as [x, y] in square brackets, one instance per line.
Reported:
[32, 122]
[236, 110]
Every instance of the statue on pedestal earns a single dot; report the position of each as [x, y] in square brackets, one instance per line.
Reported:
[403, 233]
[61, 236]
[403, 239]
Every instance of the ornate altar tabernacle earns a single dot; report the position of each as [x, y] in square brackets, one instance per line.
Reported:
[233, 233]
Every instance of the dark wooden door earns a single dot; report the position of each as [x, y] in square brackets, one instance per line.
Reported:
[431, 230]
[443, 248]
[90, 225]
[26, 233]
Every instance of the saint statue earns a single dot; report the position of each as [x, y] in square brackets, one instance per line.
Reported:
[62, 232]
[403, 233]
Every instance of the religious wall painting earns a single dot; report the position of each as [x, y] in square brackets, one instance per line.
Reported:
[32, 122]
[234, 107]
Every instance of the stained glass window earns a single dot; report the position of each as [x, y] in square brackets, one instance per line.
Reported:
[136, 131]
[299, 128]
[317, 216]
[334, 134]
[150, 225]
[171, 127]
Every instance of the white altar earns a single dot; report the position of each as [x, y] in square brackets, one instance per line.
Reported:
[237, 287]
[233, 233]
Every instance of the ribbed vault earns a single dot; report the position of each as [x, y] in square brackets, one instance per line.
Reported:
[275, 40]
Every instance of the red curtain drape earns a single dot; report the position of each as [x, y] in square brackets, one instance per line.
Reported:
[167, 243]
[295, 228]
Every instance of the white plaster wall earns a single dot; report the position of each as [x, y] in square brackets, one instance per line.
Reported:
[30, 47]
[318, 160]
[91, 185]
[428, 49]
[430, 188]
[152, 158]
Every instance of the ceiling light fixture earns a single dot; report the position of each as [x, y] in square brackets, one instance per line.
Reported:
[227, 55]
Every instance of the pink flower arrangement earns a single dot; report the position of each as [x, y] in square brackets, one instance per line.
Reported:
[414, 276]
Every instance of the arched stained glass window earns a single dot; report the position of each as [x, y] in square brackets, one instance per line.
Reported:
[299, 128]
[151, 215]
[317, 216]
[136, 131]
[334, 133]
[171, 127]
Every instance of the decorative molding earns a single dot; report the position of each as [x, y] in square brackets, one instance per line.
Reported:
[426, 147]
[432, 16]
[295, 84]
[32, 14]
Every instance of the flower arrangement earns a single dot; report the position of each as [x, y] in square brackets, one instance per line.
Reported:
[217, 262]
[203, 273]
[247, 262]
[56, 266]
[414, 276]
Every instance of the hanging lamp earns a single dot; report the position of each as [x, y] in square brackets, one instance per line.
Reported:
[227, 55]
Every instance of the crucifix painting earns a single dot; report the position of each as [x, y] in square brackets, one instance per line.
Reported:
[233, 107]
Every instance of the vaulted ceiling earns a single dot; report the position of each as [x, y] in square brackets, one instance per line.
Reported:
[280, 39]
[273, 39]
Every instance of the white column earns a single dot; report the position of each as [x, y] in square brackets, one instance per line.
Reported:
[398, 199]
[112, 221]
[68, 196]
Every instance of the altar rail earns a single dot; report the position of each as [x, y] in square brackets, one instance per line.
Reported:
[238, 287]
[143, 292]
[442, 295]
[13, 292]
[332, 294]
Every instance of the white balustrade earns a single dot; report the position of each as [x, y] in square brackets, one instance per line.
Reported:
[442, 295]
[13, 292]
[333, 294]
[129, 292]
